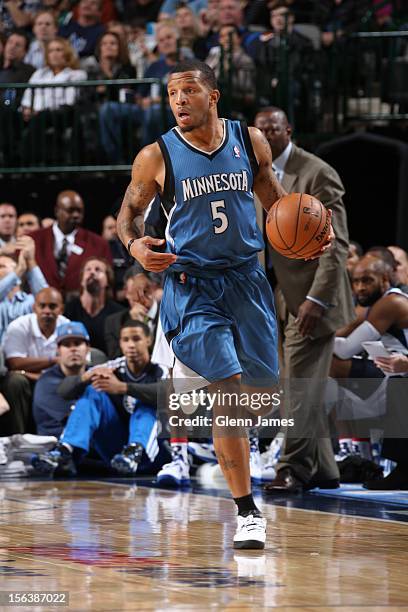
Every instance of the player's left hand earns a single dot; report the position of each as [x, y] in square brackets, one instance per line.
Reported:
[331, 237]
[309, 314]
[109, 383]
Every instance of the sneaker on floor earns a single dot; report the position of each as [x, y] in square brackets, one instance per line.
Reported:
[174, 474]
[205, 452]
[128, 460]
[57, 462]
[251, 532]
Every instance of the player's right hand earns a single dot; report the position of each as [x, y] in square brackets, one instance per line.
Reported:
[151, 261]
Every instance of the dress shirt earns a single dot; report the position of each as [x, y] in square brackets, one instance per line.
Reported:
[278, 164]
[59, 239]
[35, 54]
[21, 303]
[24, 338]
[52, 97]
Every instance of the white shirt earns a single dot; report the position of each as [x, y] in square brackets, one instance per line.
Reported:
[59, 239]
[35, 54]
[278, 164]
[24, 338]
[52, 97]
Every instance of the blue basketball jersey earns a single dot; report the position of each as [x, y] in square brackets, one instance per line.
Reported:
[209, 200]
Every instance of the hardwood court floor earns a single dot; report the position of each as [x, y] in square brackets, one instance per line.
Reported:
[122, 547]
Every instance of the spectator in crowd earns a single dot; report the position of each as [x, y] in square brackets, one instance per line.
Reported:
[140, 47]
[112, 414]
[318, 299]
[234, 69]
[354, 253]
[188, 29]
[44, 30]
[208, 21]
[169, 7]
[143, 10]
[115, 119]
[13, 68]
[341, 16]
[61, 66]
[231, 12]
[62, 248]
[109, 228]
[166, 36]
[401, 257]
[8, 224]
[139, 292]
[27, 222]
[15, 402]
[13, 301]
[18, 14]
[121, 258]
[95, 302]
[50, 108]
[50, 410]
[267, 53]
[29, 342]
[111, 61]
[47, 222]
[83, 33]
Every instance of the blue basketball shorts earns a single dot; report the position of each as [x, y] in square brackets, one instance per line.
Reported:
[223, 325]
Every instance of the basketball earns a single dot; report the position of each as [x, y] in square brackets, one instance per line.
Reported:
[297, 226]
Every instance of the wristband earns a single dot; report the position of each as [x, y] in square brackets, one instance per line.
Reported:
[129, 244]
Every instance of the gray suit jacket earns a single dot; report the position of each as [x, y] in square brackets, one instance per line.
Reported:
[326, 278]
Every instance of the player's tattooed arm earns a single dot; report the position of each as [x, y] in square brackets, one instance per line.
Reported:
[266, 185]
[146, 182]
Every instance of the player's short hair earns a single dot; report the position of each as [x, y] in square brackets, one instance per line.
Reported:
[133, 323]
[207, 74]
[383, 253]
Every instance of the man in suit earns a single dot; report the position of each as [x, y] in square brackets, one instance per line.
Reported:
[318, 299]
[62, 249]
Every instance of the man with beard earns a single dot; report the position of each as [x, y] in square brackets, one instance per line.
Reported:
[385, 320]
[50, 409]
[63, 248]
[115, 413]
[94, 303]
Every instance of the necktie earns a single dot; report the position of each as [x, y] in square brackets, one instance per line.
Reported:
[62, 259]
[277, 173]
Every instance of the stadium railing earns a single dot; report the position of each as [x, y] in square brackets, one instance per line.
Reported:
[66, 135]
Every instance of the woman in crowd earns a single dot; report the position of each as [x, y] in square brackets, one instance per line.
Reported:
[50, 109]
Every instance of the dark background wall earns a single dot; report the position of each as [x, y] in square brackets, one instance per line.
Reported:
[38, 194]
[374, 170]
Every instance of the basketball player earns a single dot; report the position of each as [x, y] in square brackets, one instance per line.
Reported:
[217, 306]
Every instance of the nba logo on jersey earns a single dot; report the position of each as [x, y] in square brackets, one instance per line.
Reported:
[237, 152]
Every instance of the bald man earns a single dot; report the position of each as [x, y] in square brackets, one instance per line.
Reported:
[30, 347]
[29, 343]
[318, 300]
[62, 248]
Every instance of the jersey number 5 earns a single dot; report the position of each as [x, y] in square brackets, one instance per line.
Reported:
[219, 216]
